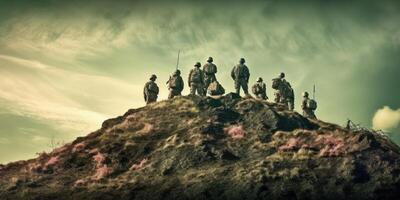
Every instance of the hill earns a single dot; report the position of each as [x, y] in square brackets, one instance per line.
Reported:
[211, 148]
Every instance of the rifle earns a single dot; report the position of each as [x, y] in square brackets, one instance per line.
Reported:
[177, 61]
[177, 65]
[314, 92]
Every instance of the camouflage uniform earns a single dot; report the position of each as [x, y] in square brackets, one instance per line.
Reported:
[307, 112]
[209, 69]
[175, 85]
[151, 90]
[284, 93]
[260, 90]
[240, 74]
[196, 80]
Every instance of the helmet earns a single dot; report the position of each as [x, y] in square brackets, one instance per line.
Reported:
[198, 64]
[178, 72]
[242, 60]
[305, 94]
[282, 75]
[153, 77]
[210, 59]
[260, 79]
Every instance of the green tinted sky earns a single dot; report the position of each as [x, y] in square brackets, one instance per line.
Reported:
[65, 66]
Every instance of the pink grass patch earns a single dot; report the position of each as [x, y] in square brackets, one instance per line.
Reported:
[94, 151]
[235, 132]
[60, 150]
[291, 144]
[138, 166]
[333, 146]
[78, 147]
[147, 128]
[99, 159]
[51, 162]
[102, 172]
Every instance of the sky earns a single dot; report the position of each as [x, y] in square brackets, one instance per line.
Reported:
[66, 66]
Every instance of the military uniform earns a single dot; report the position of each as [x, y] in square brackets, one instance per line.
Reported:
[284, 93]
[260, 90]
[151, 90]
[196, 80]
[209, 69]
[175, 85]
[307, 112]
[240, 74]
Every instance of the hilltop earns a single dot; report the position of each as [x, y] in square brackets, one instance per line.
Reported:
[211, 148]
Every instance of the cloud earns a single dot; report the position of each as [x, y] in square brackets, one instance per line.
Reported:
[66, 99]
[386, 119]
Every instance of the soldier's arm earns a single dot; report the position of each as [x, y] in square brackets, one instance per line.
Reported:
[157, 89]
[247, 73]
[304, 104]
[190, 75]
[182, 85]
[145, 92]
[233, 73]
[216, 68]
[202, 77]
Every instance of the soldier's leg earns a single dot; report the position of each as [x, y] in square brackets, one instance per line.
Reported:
[171, 94]
[237, 87]
[284, 102]
[192, 89]
[313, 115]
[291, 104]
[277, 97]
[245, 87]
[206, 85]
[151, 99]
[200, 90]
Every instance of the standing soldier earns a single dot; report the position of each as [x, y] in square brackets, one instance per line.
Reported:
[240, 74]
[309, 106]
[209, 69]
[284, 92]
[151, 90]
[175, 84]
[260, 89]
[196, 80]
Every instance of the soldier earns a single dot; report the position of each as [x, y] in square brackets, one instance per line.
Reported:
[240, 74]
[175, 84]
[196, 80]
[284, 92]
[209, 69]
[260, 89]
[309, 106]
[151, 90]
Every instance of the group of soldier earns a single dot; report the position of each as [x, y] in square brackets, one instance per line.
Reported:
[204, 80]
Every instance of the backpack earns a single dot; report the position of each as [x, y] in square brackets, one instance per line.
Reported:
[195, 76]
[215, 88]
[275, 83]
[287, 90]
[172, 82]
[210, 68]
[153, 88]
[312, 104]
[241, 71]
[257, 88]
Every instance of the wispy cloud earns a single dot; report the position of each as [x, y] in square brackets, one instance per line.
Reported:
[46, 92]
